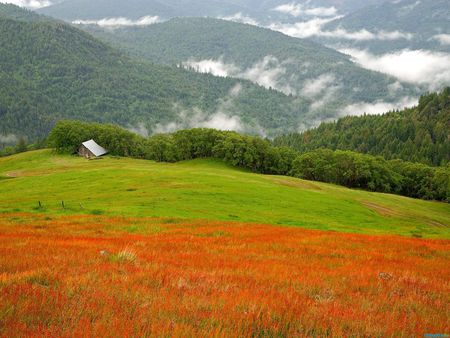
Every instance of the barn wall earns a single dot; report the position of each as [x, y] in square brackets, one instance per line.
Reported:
[83, 151]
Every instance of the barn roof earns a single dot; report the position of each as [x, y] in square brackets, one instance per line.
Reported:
[95, 148]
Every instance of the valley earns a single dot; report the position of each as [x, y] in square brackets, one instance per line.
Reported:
[224, 168]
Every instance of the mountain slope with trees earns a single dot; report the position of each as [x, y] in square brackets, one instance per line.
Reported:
[420, 134]
[425, 20]
[295, 66]
[134, 9]
[261, 11]
[50, 70]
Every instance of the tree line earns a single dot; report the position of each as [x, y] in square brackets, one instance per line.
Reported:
[50, 71]
[420, 134]
[347, 168]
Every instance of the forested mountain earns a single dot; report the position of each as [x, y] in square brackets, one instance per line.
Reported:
[134, 9]
[400, 24]
[17, 13]
[262, 11]
[293, 66]
[50, 70]
[420, 134]
[426, 21]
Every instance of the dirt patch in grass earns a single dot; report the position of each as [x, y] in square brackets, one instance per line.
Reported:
[13, 174]
[381, 210]
[295, 183]
[437, 224]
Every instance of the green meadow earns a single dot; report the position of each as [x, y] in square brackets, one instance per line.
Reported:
[206, 189]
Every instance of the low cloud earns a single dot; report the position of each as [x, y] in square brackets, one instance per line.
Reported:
[315, 28]
[395, 88]
[297, 10]
[222, 121]
[268, 72]
[214, 67]
[31, 4]
[304, 29]
[420, 67]
[291, 9]
[365, 35]
[322, 90]
[321, 11]
[140, 129]
[377, 108]
[120, 22]
[411, 6]
[326, 95]
[314, 87]
[444, 39]
[224, 118]
[8, 139]
[195, 118]
[235, 91]
[241, 18]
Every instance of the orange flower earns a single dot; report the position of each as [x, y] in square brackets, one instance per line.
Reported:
[95, 276]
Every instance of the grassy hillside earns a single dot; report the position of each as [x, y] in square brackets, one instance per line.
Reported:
[420, 134]
[50, 70]
[167, 250]
[294, 66]
[206, 189]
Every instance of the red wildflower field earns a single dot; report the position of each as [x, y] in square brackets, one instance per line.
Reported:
[86, 276]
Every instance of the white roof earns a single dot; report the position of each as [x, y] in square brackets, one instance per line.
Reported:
[95, 148]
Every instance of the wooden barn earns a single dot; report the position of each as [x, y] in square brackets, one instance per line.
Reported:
[90, 149]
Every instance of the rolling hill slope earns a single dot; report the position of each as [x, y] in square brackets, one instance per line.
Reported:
[206, 189]
[50, 70]
[138, 240]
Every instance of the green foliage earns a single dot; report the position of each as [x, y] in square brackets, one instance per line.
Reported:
[421, 134]
[204, 189]
[51, 71]
[423, 19]
[67, 136]
[345, 168]
[183, 39]
[261, 11]
[19, 13]
[134, 9]
[367, 172]
[22, 146]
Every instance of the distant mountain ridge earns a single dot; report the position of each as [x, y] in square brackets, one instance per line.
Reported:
[424, 20]
[422, 23]
[50, 71]
[134, 9]
[294, 66]
[261, 10]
